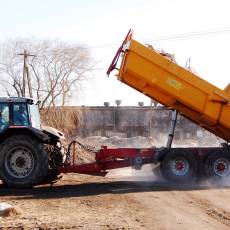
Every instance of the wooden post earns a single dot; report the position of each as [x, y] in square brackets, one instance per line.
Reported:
[26, 77]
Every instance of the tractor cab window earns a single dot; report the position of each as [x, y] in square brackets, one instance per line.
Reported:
[4, 116]
[34, 116]
[20, 114]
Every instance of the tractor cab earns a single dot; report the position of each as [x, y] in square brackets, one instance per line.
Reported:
[18, 112]
[21, 115]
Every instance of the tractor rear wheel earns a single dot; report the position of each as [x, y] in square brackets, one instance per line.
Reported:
[179, 166]
[23, 161]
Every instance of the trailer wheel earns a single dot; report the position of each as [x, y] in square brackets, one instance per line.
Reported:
[23, 162]
[179, 166]
[217, 164]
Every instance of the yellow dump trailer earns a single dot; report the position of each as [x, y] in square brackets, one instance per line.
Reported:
[165, 81]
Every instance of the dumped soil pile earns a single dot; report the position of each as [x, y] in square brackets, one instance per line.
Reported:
[118, 142]
[86, 153]
[143, 142]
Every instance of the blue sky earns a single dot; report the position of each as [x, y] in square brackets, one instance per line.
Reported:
[101, 25]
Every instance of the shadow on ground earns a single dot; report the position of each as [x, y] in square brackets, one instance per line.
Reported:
[98, 188]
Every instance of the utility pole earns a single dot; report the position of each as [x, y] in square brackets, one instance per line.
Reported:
[26, 76]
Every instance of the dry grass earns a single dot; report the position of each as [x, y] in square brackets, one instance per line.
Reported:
[64, 119]
[68, 120]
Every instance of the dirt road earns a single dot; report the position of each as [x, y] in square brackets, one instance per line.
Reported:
[86, 202]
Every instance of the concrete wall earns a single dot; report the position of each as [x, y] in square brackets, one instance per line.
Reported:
[130, 121]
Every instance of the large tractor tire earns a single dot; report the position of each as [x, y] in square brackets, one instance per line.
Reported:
[179, 166]
[23, 162]
[217, 164]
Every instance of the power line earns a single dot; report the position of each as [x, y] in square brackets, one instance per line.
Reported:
[165, 38]
[191, 35]
[174, 37]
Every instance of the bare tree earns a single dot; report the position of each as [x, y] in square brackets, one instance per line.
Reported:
[56, 71]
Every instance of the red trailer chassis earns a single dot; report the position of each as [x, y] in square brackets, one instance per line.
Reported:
[107, 159]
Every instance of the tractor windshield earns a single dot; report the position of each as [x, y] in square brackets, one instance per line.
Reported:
[35, 116]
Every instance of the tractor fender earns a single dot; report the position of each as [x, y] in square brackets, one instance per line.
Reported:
[54, 133]
[33, 132]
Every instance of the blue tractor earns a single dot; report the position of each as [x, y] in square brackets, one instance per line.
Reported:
[29, 154]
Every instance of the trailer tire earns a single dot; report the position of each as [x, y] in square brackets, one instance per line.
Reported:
[217, 164]
[179, 166]
[23, 162]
